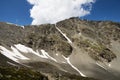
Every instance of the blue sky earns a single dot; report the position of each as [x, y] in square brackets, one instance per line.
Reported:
[105, 10]
[17, 11]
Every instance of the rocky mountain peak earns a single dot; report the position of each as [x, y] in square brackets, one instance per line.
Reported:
[67, 46]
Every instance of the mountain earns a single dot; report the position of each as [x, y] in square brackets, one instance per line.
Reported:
[72, 49]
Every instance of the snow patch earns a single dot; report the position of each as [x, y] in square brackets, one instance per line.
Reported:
[63, 62]
[80, 34]
[25, 49]
[23, 27]
[17, 54]
[17, 65]
[15, 24]
[109, 65]
[47, 55]
[10, 23]
[100, 65]
[8, 54]
[56, 54]
[14, 54]
[11, 63]
[67, 59]
[69, 41]
[42, 55]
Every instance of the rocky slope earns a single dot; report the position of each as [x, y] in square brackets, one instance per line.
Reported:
[61, 51]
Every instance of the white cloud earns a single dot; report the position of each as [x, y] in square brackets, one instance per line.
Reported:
[52, 11]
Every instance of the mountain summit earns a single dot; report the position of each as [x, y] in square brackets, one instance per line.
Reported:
[72, 49]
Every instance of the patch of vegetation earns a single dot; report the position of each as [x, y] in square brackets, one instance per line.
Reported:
[68, 76]
[101, 52]
[13, 73]
[95, 50]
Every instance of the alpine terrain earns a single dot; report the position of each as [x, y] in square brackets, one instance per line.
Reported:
[72, 49]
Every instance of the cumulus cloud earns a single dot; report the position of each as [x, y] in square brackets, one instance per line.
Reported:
[52, 11]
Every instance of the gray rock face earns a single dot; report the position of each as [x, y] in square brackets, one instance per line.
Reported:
[72, 46]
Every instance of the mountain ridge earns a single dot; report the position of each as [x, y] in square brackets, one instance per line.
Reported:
[67, 45]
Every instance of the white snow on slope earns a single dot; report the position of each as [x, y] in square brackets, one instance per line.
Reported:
[67, 59]
[11, 63]
[15, 24]
[42, 55]
[46, 54]
[13, 54]
[11, 23]
[8, 54]
[23, 27]
[18, 54]
[56, 54]
[100, 65]
[80, 34]
[24, 49]
[69, 41]
[109, 65]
